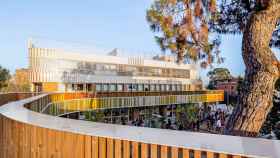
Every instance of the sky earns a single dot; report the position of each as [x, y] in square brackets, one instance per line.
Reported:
[104, 24]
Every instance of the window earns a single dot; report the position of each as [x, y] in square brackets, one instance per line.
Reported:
[152, 87]
[80, 87]
[112, 87]
[134, 87]
[98, 87]
[105, 87]
[120, 87]
[146, 87]
[167, 87]
[140, 87]
[157, 87]
[162, 87]
[174, 87]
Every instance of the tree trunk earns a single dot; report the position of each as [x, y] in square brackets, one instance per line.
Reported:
[255, 99]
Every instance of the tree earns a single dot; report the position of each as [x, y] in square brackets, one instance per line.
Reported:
[4, 77]
[218, 74]
[272, 123]
[183, 27]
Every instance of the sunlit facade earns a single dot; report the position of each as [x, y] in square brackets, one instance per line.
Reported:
[55, 70]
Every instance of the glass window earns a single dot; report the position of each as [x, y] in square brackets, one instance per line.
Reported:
[80, 87]
[112, 87]
[157, 87]
[105, 87]
[152, 87]
[179, 87]
[98, 87]
[140, 87]
[174, 87]
[167, 87]
[162, 87]
[146, 87]
[120, 87]
[134, 87]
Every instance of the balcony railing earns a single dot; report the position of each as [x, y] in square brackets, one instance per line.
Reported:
[24, 133]
[69, 106]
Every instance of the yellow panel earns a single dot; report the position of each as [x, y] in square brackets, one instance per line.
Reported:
[50, 87]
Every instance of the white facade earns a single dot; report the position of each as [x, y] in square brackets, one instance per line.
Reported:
[58, 66]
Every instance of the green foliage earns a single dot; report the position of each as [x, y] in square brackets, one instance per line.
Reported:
[218, 74]
[4, 77]
[187, 114]
[181, 26]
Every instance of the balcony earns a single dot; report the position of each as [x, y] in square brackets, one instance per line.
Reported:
[26, 133]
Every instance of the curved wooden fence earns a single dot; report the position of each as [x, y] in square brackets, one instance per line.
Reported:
[27, 134]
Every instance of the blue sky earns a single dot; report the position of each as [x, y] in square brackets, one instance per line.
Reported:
[105, 23]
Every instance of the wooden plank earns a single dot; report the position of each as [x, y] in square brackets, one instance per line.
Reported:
[186, 153]
[88, 147]
[41, 136]
[51, 144]
[21, 140]
[144, 150]
[118, 148]
[27, 141]
[135, 150]
[153, 151]
[102, 147]
[174, 152]
[95, 146]
[78, 145]
[223, 155]
[236, 156]
[33, 148]
[163, 151]
[1, 137]
[197, 154]
[126, 149]
[59, 141]
[110, 148]
[68, 140]
[210, 154]
[4, 154]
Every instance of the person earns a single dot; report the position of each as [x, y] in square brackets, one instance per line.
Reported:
[168, 125]
[218, 125]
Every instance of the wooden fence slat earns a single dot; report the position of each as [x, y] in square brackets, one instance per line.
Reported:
[236, 156]
[126, 149]
[110, 148]
[51, 144]
[33, 143]
[210, 154]
[88, 147]
[102, 147]
[174, 152]
[186, 153]
[1, 137]
[153, 151]
[163, 151]
[59, 141]
[135, 153]
[118, 148]
[144, 150]
[95, 147]
[197, 154]
[223, 155]
[78, 145]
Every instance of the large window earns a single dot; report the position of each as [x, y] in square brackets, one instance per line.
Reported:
[98, 87]
[105, 87]
[120, 87]
[112, 87]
